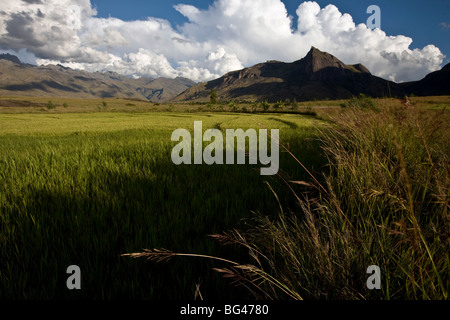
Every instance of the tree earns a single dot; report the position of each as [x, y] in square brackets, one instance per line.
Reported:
[294, 104]
[278, 105]
[265, 105]
[50, 105]
[213, 97]
[232, 106]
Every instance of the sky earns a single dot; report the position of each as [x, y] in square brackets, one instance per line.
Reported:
[204, 39]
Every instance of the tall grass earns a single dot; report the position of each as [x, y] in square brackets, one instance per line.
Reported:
[384, 201]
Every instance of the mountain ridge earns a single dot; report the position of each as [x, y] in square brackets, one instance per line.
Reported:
[434, 83]
[17, 78]
[319, 75]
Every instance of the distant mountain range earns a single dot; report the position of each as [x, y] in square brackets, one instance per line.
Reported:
[17, 78]
[319, 75]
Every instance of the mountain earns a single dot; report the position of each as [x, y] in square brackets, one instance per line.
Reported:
[434, 84]
[319, 75]
[9, 57]
[17, 78]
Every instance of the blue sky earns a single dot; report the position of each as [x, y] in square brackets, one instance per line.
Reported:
[204, 39]
[420, 20]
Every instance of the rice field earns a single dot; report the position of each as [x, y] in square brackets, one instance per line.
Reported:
[361, 182]
[84, 188]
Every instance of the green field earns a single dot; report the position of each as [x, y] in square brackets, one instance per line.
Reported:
[365, 182]
[84, 188]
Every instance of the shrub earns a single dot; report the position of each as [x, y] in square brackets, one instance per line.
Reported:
[278, 105]
[361, 101]
[232, 106]
[265, 105]
[50, 105]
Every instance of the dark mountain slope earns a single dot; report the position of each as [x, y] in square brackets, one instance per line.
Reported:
[319, 75]
[434, 84]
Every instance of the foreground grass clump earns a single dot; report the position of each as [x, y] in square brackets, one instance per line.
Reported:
[384, 202]
[388, 194]
[361, 101]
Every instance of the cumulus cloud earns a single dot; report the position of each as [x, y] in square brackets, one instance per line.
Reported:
[227, 36]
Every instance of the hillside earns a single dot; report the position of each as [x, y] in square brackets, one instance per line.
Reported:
[22, 79]
[434, 84]
[319, 75]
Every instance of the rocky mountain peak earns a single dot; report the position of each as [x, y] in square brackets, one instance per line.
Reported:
[317, 60]
[318, 75]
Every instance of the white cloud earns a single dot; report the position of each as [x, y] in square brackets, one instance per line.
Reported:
[445, 25]
[385, 56]
[227, 36]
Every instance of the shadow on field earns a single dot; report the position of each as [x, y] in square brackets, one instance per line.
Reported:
[155, 205]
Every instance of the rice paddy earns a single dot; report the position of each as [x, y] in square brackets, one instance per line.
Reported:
[84, 188]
